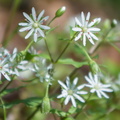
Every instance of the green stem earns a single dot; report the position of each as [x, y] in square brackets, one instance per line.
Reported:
[80, 110]
[29, 45]
[48, 50]
[51, 21]
[84, 51]
[113, 45]
[65, 48]
[4, 110]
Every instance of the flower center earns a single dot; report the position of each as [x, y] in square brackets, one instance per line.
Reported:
[70, 92]
[97, 87]
[84, 29]
[35, 25]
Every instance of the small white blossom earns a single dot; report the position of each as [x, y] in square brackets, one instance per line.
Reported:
[34, 25]
[4, 67]
[42, 71]
[97, 86]
[86, 29]
[71, 92]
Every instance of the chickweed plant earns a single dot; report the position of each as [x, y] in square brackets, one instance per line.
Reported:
[66, 90]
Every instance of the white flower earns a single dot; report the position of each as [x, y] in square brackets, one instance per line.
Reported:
[34, 25]
[86, 29]
[42, 71]
[4, 67]
[71, 92]
[97, 86]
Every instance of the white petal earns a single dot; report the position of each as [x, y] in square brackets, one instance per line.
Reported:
[94, 29]
[90, 39]
[44, 27]
[82, 92]
[73, 101]
[98, 94]
[107, 90]
[6, 76]
[105, 95]
[79, 98]
[44, 19]
[87, 18]
[34, 13]
[40, 15]
[23, 24]
[93, 36]
[67, 100]
[80, 87]
[41, 32]
[25, 29]
[75, 81]
[76, 29]
[78, 22]
[62, 84]
[29, 33]
[35, 37]
[60, 96]
[83, 18]
[84, 39]
[78, 36]
[27, 17]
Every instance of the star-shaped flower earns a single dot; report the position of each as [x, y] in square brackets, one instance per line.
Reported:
[86, 29]
[71, 92]
[97, 86]
[34, 25]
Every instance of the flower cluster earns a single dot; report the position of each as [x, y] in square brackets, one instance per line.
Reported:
[9, 65]
[34, 25]
[86, 29]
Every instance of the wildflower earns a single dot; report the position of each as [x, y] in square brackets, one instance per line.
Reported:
[97, 86]
[34, 25]
[4, 67]
[86, 29]
[42, 71]
[71, 92]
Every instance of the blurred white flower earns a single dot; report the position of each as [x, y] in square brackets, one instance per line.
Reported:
[34, 25]
[97, 86]
[71, 92]
[42, 71]
[86, 29]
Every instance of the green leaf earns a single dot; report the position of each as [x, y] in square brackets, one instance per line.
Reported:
[7, 91]
[72, 110]
[44, 55]
[59, 112]
[30, 102]
[70, 61]
[71, 32]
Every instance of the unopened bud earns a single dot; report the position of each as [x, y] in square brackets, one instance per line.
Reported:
[60, 11]
[94, 67]
[113, 23]
[45, 105]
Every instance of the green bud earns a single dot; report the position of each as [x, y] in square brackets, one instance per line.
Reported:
[60, 11]
[113, 23]
[94, 67]
[46, 105]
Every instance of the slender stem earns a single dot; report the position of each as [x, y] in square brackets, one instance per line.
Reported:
[4, 110]
[29, 45]
[113, 45]
[6, 86]
[51, 20]
[48, 50]
[80, 110]
[34, 112]
[84, 51]
[65, 48]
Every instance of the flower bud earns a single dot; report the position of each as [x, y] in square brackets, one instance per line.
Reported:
[94, 67]
[60, 11]
[113, 23]
[45, 105]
